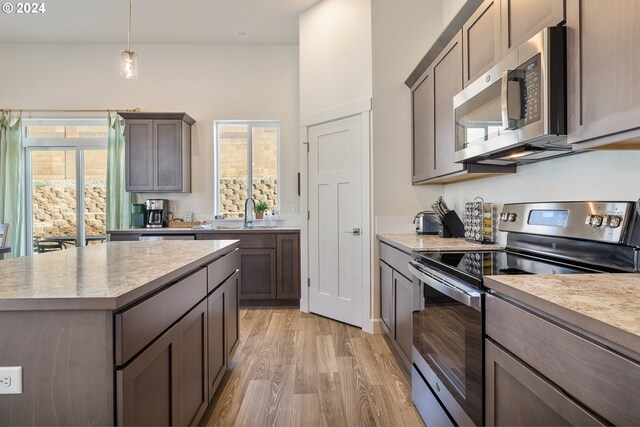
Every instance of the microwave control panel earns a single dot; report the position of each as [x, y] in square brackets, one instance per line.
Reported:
[531, 90]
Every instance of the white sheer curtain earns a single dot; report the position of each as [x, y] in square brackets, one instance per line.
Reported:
[118, 200]
[12, 181]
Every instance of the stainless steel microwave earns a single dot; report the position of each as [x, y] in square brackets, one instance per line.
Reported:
[517, 112]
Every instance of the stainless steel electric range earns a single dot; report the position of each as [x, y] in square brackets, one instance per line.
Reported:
[448, 318]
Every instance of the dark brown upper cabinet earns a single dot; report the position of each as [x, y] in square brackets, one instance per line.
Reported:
[423, 150]
[158, 152]
[499, 26]
[433, 137]
[481, 39]
[523, 19]
[447, 82]
[433, 121]
[603, 60]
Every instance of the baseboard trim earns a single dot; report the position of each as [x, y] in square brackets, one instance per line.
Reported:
[375, 327]
[270, 303]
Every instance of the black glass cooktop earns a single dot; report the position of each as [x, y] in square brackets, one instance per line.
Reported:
[473, 266]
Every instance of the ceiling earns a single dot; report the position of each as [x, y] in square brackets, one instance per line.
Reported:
[269, 22]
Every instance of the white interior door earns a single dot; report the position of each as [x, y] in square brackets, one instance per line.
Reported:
[335, 208]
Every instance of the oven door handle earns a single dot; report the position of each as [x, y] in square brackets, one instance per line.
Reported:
[468, 297]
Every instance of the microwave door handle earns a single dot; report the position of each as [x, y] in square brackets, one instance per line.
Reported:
[511, 104]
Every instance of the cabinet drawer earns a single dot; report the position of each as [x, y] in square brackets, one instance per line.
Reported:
[396, 259]
[222, 268]
[136, 327]
[601, 380]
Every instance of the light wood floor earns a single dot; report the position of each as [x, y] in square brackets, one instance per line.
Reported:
[297, 369]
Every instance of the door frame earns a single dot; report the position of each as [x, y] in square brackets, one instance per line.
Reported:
[360, 108]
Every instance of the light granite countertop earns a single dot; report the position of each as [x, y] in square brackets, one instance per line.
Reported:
[107, 276]
[223, 230]
[427, 242]
[606, 305]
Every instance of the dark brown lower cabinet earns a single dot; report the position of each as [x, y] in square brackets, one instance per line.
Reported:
[288, 268]
[224, 329]
[404, 313]
[166, 383]
[217, 347]
[386, 298]
[396, 293]
[516, 395]
[232, 314]
[258, 268]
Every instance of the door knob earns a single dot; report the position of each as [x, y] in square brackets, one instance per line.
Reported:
[355, 232]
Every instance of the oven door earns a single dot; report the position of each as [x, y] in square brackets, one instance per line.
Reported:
[447, 341]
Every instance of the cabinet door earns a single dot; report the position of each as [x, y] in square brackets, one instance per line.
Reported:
[447, 79]
[522, 19]
[193, 366]
[481, 34]
[403, 288]
[217, 345]
[232, 314]
[167, 383]
[423, 150]
[518, 396]
[139, 159]
[288, 269]
[386, 299]
[603, 62]
[167, 155]
[258, 268]
[147, 389]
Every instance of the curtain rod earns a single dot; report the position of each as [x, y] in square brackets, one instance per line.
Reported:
[115, 110]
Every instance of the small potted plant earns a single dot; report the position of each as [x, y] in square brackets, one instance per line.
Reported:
[261, 208]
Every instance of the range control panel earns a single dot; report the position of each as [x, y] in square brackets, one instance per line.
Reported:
[598, 221]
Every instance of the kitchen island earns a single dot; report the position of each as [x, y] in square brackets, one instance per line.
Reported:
[119, 333]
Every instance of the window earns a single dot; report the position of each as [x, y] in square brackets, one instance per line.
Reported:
[66, 183]
[247, 165]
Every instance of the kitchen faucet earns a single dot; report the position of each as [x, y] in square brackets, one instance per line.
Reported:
[247, 222]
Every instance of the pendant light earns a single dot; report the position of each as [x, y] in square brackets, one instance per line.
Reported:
[128, 58]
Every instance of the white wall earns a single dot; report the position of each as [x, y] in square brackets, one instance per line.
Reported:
[208, 82]
[449, 9]
[600, 175]
[401, 37]
[335, 55]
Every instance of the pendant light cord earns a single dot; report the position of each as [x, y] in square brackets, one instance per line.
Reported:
[129, 31]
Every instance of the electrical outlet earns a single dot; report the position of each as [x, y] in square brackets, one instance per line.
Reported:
[11, 380]
[294, 209]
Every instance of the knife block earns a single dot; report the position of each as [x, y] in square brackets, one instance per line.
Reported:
[451, 226]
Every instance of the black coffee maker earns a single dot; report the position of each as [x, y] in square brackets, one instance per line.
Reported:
[156, 212]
